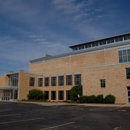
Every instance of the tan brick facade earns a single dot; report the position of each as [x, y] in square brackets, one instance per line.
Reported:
[93, 67]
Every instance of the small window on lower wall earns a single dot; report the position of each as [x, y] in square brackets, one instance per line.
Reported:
[128, 73]
[31, 81]
[102, 83]
[53, 95]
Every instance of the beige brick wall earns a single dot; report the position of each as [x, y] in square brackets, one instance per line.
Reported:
[24, 84]
[2, 80]
[115, 77]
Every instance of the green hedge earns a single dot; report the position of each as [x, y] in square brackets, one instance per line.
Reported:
[100, 98]
[110, 99]
[91, 99]
[97, 99]
[36, 94]
[83, 99]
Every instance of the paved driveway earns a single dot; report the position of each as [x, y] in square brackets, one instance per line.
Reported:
[24, 116]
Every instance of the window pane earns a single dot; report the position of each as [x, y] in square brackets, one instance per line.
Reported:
[47, 81]
[124, 58]
[61, 95]
[31, 81]
[128, 73]
[69, 80]
[53, 81]
[102, 83]
[61, 80]
[120, 60]
[128, 52]
[39, 82]
[124, 52]
[78, 79]
[120, 53]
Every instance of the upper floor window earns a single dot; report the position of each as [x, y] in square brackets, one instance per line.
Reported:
[119, 39]
[128, 73]
[13, 80]
[110, 41]
[95, 44]
[31, 81]
[40, 82]
[127, 37]
[102, 83]
[77, 78]
[124, 56]
[46, 81]
[81, 47]
[87, 45]
[102, 42]
[68, 79]
[61, 80]
[53, 81]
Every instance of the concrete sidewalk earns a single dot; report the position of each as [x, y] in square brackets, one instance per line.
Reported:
[78, 104]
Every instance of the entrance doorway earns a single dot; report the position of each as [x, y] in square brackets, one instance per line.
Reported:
[128, 90]
[9, 94]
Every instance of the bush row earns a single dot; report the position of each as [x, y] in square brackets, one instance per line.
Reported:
[98, 99]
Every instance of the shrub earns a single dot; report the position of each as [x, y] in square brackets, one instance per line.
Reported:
[83, 99]
[91, 99]
[74, 92]
[100, 98]
[36, 94]
[23, 100]
[110, 99]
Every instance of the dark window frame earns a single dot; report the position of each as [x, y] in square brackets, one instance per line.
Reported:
[68, 79]
[46, 81]
[32, 81]
[61, 80]
[127, 73]
[53, 95]
[40, 82]
[77, 79]
[61, 95]
[102, 83]
[53, 81]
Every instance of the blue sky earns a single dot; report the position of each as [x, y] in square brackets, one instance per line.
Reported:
[32, 28]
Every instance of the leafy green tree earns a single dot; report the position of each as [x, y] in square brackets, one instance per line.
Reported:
[75, 93]
[36, 94]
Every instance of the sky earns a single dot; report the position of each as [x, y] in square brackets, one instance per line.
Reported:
[30, 29]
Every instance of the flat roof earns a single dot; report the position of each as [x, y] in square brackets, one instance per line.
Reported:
[99, 40]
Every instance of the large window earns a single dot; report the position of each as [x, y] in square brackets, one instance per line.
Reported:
[13, 80]
[53, 81]
[31, 81]
[124, 56]
[61, 80]
[61, 95]
[68, 79]
[128, 73]
[53, 95]
[40, 82]
[102, 83]
[46, 81]
[77, 78]
[67, 95]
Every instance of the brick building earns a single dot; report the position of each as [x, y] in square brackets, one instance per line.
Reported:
[101, 66]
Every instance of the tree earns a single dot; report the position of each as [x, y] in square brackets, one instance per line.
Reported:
[36, 94]
[75, 92]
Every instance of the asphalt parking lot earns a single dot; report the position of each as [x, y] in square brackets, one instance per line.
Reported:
[26, 116]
